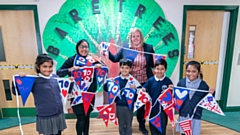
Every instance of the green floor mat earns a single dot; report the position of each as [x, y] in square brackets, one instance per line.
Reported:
[12, 122]
[231, 120]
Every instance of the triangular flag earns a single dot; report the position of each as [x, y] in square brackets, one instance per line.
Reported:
[79, 61]
[86, 77]
[112, 115]
[156, 122]
[24, 85]
[77, 94]
[167, 102]
[186, 126]
[77, 74]
[113, 90]
[209, 103]
[104, 114]
[87, 99]
[132, 81]
[142, 99]
[130, 54]
[104, 47]
[101, 74]
[159, 56]
[148, 106]
[64, 85]
[180, 94]
[129, 96]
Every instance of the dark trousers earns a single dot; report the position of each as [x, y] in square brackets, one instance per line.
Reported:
[125, 117]
[82, 125]
[140, 115]
[59, 133]
[164, 120]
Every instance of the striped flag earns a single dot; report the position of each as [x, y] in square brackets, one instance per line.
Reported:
[186, 126]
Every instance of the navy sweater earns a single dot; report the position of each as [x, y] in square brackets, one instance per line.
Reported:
[155, 88]
[189, 104]
[47, 98]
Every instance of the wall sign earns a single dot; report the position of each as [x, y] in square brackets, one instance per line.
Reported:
[109, 21]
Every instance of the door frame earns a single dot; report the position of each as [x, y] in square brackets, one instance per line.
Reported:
[38, 34]
[229, 48]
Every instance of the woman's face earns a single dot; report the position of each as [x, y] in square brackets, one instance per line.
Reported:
[83, 49]
[192, 72]
[136, 39]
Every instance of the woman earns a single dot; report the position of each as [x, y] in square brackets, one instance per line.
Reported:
[142, 65]
[71, 64]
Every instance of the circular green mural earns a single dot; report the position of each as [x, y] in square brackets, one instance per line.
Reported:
[109, 21]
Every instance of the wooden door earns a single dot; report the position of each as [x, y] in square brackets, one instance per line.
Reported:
[20, 50]
[205, 28]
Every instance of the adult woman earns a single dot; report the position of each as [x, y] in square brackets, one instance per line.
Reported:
[142, 65]
[81, 59]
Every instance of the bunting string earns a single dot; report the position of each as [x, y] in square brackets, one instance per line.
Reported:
[191, 89]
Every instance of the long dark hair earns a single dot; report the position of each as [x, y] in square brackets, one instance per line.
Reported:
[41, 58]
[197, 65]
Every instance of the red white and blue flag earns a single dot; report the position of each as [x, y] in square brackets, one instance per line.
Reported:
[24, 85]
[180, 94]
[113, 89]
[101, 74]
[186, 126]
[209, 103]
[64, 85]
[156, 122]
[129, 96]
[107, 112]
[142, 99]
[87, 99]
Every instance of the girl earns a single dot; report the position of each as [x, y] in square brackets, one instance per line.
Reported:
[82, 52]
[155, 86]
[193, 80]
[47, 98]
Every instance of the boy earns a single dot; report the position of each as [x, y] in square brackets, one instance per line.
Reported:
[124, 114]
[155, 86]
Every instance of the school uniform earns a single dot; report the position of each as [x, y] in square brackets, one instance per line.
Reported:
[48, 102]
[155, 87]
[187, 109]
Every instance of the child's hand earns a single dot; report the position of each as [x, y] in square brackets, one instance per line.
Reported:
[170, 86]
[22, 74]
[71, 78]
[211, 90]
[132, 86]
[98, 65]
[143, 89]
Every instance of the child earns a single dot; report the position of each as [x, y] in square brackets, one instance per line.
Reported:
[124, 114]
[47, 98]
[193, 80]
[155, 86]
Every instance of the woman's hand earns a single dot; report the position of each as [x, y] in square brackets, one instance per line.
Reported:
[71, 78]
[22, 74]
[211, 90]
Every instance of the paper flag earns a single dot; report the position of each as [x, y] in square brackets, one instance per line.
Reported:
[130, 54]
[148, 107]
[107, 113]
[167, 102]
[86, 77]
[77, 74]
[104, 46]
[101, 74]
[129, 96]
[180, 94]
[80, 61]
[112, 115]
[87, 99]
[209, 103]
[186, 126]
[142, 98]
[156, 122]
[24, 85]
[132, 81]
[90, 60]
[103, 113]
[64, 84]
[76, 92]
[159, 56]
[113, 90]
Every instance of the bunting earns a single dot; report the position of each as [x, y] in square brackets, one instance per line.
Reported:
[148, 107]
[130, 54]
[107, 113]
[186, 126]
[101, 74]
[104, 46]
[129, 96]
[87, 99]
[180, 94]
[209, 103]
[77, 94]
[24, 85]
[167, 102]
[142, 99]
[64, 84]
[113, 89]
[156, 122]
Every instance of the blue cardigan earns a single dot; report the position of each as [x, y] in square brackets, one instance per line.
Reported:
[47, 98]
[149, 58]
[189, 104]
